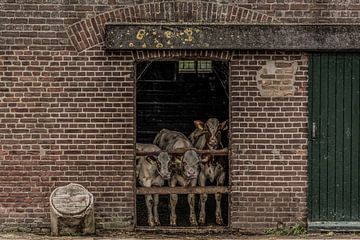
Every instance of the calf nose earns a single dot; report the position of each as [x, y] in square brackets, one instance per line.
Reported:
[167, 176]
[213, 141]
[191, 173]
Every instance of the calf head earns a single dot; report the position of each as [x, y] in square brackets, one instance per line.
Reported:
[163, 168]
[209, 168]
[162, 161]
[212, 131]
[190, 161]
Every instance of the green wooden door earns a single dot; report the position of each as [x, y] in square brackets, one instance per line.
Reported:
[334, 194]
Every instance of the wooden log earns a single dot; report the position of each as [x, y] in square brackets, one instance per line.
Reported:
[72, 211]
[182, 190]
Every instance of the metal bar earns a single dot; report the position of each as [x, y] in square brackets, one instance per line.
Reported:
[223, 84]
[143, 71]
[180, 151]
[181, 190]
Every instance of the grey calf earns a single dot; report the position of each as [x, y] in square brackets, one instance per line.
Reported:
[186, 169]
[152, 171]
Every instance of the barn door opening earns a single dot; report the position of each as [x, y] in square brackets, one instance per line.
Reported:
[172, 95]
[334, 158]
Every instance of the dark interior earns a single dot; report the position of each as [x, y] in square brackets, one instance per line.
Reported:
[170, 97]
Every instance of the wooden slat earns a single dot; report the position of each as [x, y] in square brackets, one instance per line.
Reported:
[310, 147]
[347, 135]
[355, 97]
[323, 144]
[315, 141]
[181, 190]
[331, 139]
[339, 141]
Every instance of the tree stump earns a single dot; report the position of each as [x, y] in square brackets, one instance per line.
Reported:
[72, 211]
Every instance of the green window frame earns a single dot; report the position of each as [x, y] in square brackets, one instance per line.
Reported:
[189, 66]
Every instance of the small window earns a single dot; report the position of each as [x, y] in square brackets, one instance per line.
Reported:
[204, 66]
[195, 66]
[187, 67]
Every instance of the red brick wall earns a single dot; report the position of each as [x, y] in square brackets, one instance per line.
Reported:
[65, 118]
[66, 110]
[269, 145]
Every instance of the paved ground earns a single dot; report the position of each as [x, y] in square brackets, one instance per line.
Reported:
[135, 236]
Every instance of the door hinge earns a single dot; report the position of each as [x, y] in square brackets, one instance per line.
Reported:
[313, 131]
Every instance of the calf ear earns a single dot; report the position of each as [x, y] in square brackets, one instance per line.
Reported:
[176, 158]
[224, 125]
[151, 159]
[199, 124]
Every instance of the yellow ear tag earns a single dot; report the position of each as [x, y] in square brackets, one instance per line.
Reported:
[178, 161]
[200, 127]
[152, 161]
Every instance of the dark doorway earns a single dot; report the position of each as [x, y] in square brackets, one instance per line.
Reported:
[171, 98]
[171, 95]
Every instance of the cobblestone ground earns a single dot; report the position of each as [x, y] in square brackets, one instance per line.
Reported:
[135, 236]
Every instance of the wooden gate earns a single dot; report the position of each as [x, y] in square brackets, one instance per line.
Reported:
[334, 201]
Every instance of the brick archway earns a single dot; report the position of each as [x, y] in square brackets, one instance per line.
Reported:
[177, 54]
[90, 32]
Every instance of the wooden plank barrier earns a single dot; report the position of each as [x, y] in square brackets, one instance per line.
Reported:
[222, 152]
[182, 190]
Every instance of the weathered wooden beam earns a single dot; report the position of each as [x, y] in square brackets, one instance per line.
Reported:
[140, 36]
[222, 152]
[181, 190]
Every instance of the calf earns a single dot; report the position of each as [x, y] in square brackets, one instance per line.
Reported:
[208, 137]
[185, 171]
[152, 171]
